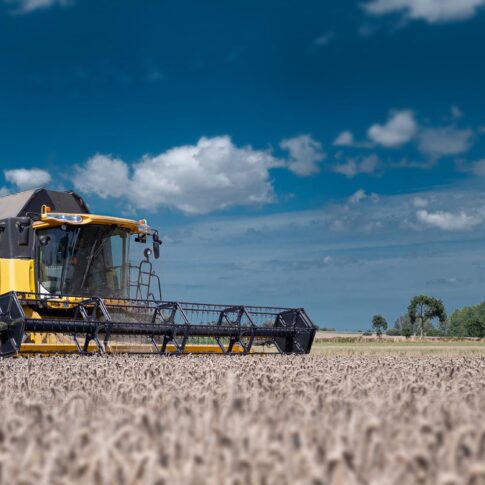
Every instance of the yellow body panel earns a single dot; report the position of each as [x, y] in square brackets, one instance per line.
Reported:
[38, 338]
[16, 275]
[117, 348]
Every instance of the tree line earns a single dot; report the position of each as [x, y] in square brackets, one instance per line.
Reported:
[426, 316]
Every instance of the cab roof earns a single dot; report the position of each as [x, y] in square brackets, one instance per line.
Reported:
[30, 202]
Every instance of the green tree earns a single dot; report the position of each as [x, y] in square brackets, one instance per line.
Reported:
[465, 321]
[425, 308]
[379, 323]
[475, 328]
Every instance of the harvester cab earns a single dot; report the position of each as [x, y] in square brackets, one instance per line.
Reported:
[67, 285]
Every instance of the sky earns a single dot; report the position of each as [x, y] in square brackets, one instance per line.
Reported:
[326, 155]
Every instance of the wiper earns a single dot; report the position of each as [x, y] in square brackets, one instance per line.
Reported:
[93, 254]
[88, 264]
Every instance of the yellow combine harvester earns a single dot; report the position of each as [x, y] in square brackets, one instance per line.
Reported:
[67, 285]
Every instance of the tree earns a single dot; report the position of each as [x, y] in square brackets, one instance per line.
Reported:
[475, 328]
[379, 323]
[466, 321]
[403, 324]
[406, 332]
[426, 308]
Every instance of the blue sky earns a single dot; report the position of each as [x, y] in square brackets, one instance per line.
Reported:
[320, 154]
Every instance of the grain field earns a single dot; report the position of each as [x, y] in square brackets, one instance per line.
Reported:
[314, 419]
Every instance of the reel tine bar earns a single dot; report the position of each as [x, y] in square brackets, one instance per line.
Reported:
[91, 310]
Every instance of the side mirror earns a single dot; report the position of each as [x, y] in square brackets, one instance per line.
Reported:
[157, 242]
[156, 249]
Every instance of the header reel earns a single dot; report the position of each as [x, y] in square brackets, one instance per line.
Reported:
[162, 327]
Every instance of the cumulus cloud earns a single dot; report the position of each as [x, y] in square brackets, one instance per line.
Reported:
[399, 129]
[195, 179]
[346, 138]
[448, 221]
[402, 128]
[27, 6]
[305, 154]
[27, 178]
[432, 11]
[440, 142]
[355, 166]
[104, 176]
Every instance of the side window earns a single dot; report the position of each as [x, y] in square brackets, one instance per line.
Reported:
[51, 261]
[115, 262]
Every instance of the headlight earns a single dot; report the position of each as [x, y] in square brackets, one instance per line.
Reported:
[64, 218]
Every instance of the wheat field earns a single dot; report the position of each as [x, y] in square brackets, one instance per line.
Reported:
[242, 420]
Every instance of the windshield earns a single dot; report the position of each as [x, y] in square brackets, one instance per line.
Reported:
[88, 260]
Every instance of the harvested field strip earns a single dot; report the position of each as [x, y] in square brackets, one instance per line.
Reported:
[410, 348]
[271, 419]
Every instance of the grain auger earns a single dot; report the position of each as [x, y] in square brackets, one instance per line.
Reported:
[67, 285]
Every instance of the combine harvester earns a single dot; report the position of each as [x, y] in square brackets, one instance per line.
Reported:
[66, 285]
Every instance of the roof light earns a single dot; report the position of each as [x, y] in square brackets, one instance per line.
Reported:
[64, 218]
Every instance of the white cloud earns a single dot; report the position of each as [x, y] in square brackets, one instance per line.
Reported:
[104, 176]
[357, 196]
[432, 11]
[448, 221]
[355, 166]
[211, 175]
[27, 6]
[399, 129]
[305, 154]
[195, 179]
[439, 142]
[361, 195]
[345, 138]
[27, 178]
[4, 191]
